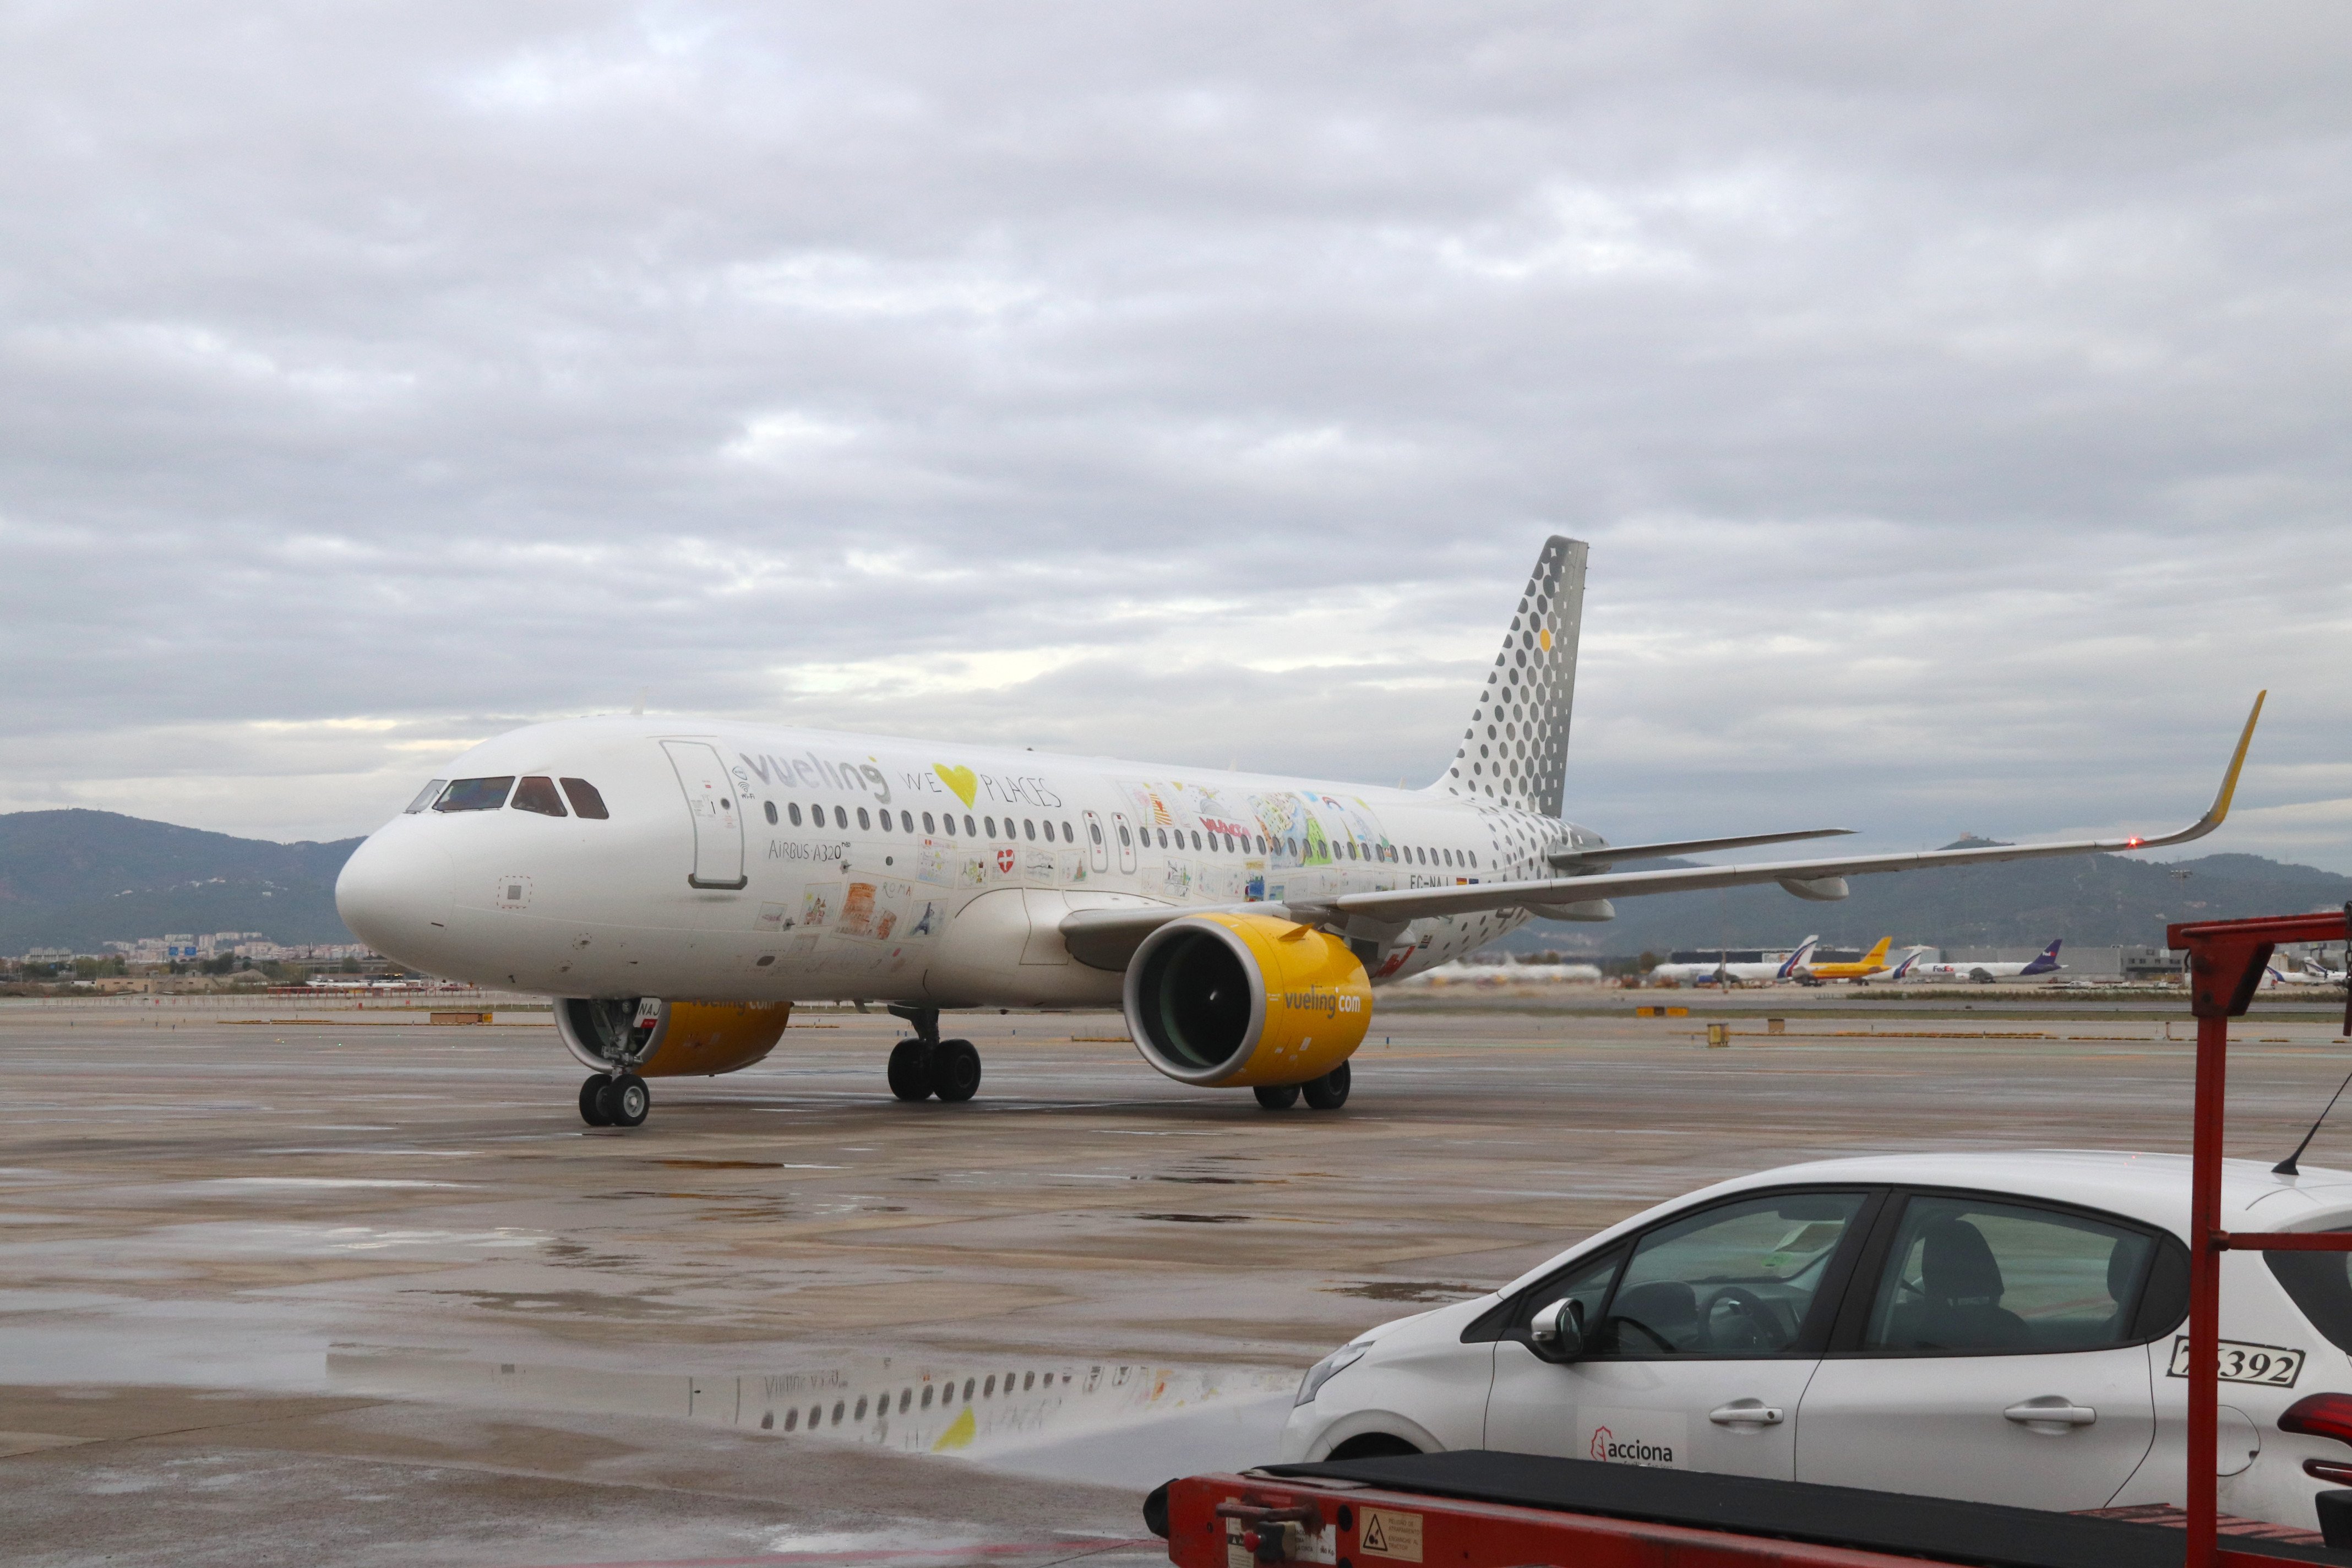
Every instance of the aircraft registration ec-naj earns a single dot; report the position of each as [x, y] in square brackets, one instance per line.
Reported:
[676, 886]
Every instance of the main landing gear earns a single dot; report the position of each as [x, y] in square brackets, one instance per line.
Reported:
[928, 1065]
[608, 1100]
[1328, 1092]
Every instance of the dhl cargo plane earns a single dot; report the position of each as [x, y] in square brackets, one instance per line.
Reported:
[675, 885]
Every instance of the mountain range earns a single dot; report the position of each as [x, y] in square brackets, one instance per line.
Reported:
[83, 878]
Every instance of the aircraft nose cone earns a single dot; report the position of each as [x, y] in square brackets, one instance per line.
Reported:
[395, 894]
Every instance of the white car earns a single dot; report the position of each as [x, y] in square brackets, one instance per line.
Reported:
[2005, 1326]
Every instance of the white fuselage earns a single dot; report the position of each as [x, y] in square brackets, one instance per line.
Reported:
[745, 863]
[1706, 974]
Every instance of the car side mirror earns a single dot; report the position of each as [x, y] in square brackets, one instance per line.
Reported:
[1557, 1332]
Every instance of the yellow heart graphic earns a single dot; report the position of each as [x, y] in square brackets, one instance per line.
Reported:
[964, 781]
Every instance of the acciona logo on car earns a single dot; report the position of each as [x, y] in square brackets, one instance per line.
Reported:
[1607, 1448]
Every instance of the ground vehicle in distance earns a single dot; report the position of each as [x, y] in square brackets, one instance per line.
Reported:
[2007, 1327]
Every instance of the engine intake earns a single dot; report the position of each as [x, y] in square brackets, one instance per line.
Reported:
[1235, 1001]
[656, 1038]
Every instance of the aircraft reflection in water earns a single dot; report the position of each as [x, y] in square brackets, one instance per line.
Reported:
[983, 1407]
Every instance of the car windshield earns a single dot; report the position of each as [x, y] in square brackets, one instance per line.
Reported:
[475, 795]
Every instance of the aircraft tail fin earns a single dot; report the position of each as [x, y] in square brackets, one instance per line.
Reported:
[1799, 959]
[1878, 954]
[1514, 752]
[2045, 962]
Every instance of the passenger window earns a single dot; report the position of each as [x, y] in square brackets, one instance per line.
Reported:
[1093, 831]
[1069, 834]
[991, 825]
[1968, 1274]
[1737, 1279]
[475, 795]
[425, 797]
[927, 824]
[1196, 838]
[865, 823]
[841, 817]
[968, 830]
[1028, 828]
[1122, 833]
[770, 807]
[538, 794]
[792, 810]
[905, 822]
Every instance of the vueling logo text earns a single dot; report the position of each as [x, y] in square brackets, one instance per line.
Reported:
[1315, 999]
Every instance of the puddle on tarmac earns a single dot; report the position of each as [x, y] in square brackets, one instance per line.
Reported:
[1415, 1291]
[1111, 1421]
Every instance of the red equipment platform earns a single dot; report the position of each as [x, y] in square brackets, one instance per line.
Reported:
[1482, 1510]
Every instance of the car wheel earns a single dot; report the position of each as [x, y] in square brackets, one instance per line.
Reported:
[1372, 1445]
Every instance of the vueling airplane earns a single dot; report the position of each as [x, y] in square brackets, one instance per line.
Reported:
[675, 885]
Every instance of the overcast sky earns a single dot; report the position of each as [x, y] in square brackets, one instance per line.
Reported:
[1954, 397]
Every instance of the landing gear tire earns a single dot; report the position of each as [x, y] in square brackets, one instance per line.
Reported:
[910, 1069]
[592, 1107]
[1276, 1096]
[955, 1070]
[1328, 1092]
[624, 1100]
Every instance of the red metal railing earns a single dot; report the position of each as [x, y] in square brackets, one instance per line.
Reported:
[2226, 961]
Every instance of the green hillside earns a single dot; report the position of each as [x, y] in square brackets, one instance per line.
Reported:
[81, 878]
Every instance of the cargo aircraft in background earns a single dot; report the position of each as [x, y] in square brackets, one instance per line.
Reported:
[675, 884]
[1723, 971]
[2042, 964]
[1858, 970]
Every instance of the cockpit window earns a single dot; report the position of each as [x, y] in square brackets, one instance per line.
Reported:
[425, 796]
[475, 795]
[586, 801]
[538, 794]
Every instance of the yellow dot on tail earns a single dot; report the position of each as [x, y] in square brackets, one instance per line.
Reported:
[1544, 637]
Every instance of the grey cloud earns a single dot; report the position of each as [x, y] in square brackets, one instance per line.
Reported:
[1951, 398]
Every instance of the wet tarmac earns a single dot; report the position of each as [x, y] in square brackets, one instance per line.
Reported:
[362, 1289]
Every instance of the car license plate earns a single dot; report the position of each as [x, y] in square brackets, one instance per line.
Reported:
[2269, 1364]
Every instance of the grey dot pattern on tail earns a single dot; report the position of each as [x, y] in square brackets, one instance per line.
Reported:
[1515, 752]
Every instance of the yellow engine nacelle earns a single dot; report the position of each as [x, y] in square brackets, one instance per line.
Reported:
[1235, 1001]
[656, 1038]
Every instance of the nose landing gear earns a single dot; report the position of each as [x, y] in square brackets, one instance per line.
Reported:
[615, 1099]
[926, 1065]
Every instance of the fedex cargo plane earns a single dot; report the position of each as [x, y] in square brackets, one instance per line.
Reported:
[2045, 962]
[675, 884]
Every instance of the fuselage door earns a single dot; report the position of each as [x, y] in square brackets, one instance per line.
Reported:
[1095, 845]
[717, 819]
[1125, 836]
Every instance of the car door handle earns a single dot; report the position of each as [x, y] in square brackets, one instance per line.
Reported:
[2050, 1410]
[1745, 1413]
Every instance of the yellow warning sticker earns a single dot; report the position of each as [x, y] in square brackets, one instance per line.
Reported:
[1390, 1534]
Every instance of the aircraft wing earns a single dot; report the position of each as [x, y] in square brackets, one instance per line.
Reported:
[1105, 938]
[1415, 903]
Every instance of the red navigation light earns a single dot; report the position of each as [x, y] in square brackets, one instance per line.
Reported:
[2132, 843]
[2320, 1415]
